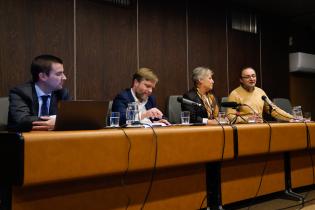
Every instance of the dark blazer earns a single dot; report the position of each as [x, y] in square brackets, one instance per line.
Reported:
[121, 101]
[23, 107]
[196, 112]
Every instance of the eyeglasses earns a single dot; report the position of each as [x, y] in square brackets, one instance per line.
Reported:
[249, 76]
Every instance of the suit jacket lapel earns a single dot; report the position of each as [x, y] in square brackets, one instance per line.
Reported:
[53, 104]
[130, 96]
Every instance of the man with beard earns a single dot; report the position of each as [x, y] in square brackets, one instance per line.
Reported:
[143, 83]
[33, 105]
[247, 93]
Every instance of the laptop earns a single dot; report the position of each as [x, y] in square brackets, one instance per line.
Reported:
[81, 115]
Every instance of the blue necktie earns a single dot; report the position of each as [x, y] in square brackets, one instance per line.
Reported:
[44, 109]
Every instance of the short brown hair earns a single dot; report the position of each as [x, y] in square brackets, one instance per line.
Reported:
[42, 64]
[145, 74]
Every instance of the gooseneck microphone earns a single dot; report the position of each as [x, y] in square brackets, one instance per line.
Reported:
[271, 105]
[188, 102]
[230, 104]
[264, 98]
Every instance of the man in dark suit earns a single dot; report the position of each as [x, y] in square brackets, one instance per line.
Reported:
[143, 83]
[33, 105]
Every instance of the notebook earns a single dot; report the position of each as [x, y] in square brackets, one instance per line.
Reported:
[81, 115]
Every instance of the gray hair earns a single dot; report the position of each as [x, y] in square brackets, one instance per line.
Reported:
[199, 73]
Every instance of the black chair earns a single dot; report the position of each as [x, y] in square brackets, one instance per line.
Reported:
[173, 109]
[284, 104]
[109, 110]
[4, 109]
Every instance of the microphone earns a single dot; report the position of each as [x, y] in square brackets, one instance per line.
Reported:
[188, 102]
[264, 98]
[230, 104]
[271, 105]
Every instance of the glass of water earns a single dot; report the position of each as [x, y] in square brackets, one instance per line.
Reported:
[251, 118]
[222, 118]
[297, 113]
[114, 119]
[132, 113]
[185, 117]
[307, 116]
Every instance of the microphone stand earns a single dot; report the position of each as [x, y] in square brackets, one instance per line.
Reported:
[287, 170]
[287, 165]
[237, 115]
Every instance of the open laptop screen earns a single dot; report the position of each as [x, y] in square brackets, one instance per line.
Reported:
[81, 115]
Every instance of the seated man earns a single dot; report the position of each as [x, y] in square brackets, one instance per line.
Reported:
[33, 103]
[143, 83]
[250, 95]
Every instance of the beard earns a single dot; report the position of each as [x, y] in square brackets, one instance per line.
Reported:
[141, 97]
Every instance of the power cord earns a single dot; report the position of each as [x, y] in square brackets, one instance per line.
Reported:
[264, 168]
[154, 166]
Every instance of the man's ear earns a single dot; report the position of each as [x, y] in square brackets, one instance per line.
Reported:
[135, 83]
[42, 76]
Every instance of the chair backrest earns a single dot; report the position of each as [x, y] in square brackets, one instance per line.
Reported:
[173, 109]
[283, 103]
[109, 110]
[4, 109]
[223, 99]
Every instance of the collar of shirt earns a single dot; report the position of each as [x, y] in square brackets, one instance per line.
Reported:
[39, 94]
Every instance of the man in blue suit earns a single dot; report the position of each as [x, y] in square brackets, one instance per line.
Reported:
[143, 83]
[33, 105]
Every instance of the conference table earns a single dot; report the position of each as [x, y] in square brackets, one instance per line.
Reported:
[152, 168]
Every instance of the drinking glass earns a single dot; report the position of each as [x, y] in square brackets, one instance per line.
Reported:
[297, 113]
[132, 113]
[114, 119]
[185, 117]
[307, 116]
[222, 118]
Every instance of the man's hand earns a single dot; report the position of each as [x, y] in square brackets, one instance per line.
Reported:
[153, 113]
[46, 123]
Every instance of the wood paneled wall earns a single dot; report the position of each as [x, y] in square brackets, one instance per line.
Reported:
[103, 44]
[30, 28]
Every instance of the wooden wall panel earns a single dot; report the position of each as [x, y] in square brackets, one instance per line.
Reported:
[14, 58]
[173, 38]
[51, 32]
[31, 28]
[275, 57]
[302, 91]
[106, 49]
[162, 45]
[244, 51]
[207, 44]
